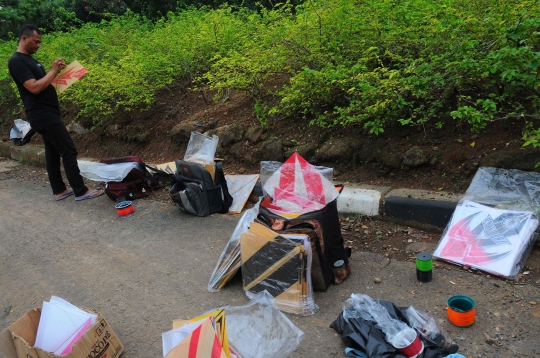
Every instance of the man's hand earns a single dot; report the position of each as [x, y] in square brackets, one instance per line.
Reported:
[58, 65]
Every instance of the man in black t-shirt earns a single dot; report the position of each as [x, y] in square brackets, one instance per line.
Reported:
[43, 112]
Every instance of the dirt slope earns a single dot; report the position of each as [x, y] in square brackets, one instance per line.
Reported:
[454, 150]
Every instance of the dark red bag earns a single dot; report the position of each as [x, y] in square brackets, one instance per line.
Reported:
[139, 182]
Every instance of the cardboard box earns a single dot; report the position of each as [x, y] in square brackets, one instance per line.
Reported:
[99, 341]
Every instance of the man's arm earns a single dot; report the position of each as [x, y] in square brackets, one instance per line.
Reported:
[36, 86]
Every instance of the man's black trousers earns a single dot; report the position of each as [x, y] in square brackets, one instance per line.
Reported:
[59, 145]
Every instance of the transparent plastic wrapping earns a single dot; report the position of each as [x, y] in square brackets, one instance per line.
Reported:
[268, 168]
[297, 187]
[363, 306]
[201, 148]
[106, 172]
[428, 328]
[494, 225]
[260, 330]
[279, 264]
[505, 189]
[229, 262]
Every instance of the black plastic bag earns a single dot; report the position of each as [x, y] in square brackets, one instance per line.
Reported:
[366, 336]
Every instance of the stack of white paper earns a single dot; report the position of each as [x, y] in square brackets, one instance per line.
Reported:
[486, 238]
[61, 325]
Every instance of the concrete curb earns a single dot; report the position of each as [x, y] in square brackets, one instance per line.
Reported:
[27, 154]
[361, 199]
[430, 212]
[411, 207]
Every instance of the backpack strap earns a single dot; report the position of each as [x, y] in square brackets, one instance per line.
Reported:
[226, 196]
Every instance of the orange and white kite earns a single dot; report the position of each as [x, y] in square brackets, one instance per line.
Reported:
[71, 73]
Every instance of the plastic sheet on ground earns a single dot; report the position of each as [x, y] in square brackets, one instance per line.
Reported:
[201, 148]
[297, 187]
[359, 329]
[105, 172]
[260, 330]
[428, 328]
[493, 226]
[365, 307]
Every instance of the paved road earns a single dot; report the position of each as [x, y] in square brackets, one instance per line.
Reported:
[144, 271]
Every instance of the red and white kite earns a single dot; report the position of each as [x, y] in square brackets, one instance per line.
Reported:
[298, 187]
[71, 73]
[487, 238]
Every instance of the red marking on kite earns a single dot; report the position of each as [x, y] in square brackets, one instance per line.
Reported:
[465, 244]
[70, 75]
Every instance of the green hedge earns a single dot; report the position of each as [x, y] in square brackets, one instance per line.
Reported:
[129, 58]
[333, 62]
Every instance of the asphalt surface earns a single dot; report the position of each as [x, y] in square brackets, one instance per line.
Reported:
[143, 271]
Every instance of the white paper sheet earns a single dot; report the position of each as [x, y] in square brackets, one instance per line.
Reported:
[59, 323]
[68, 345]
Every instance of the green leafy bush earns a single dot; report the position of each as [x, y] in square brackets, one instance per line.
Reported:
[380, 63]
[334, 62]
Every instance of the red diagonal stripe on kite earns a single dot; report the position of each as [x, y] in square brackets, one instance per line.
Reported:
[69, 75]
[459, 237]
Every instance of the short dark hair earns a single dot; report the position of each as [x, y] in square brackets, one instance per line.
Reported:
[28, 30]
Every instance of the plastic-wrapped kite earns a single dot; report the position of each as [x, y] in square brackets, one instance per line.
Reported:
[493, 226]
[298, 187]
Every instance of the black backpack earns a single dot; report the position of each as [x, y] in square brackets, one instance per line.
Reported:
[137, 183]
[330, 263]
[194, 191]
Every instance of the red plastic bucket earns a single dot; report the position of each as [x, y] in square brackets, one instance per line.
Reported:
[410, 345]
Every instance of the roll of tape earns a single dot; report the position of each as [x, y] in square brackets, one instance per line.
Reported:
[124, 208]
[461, 311]
[424, 261]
